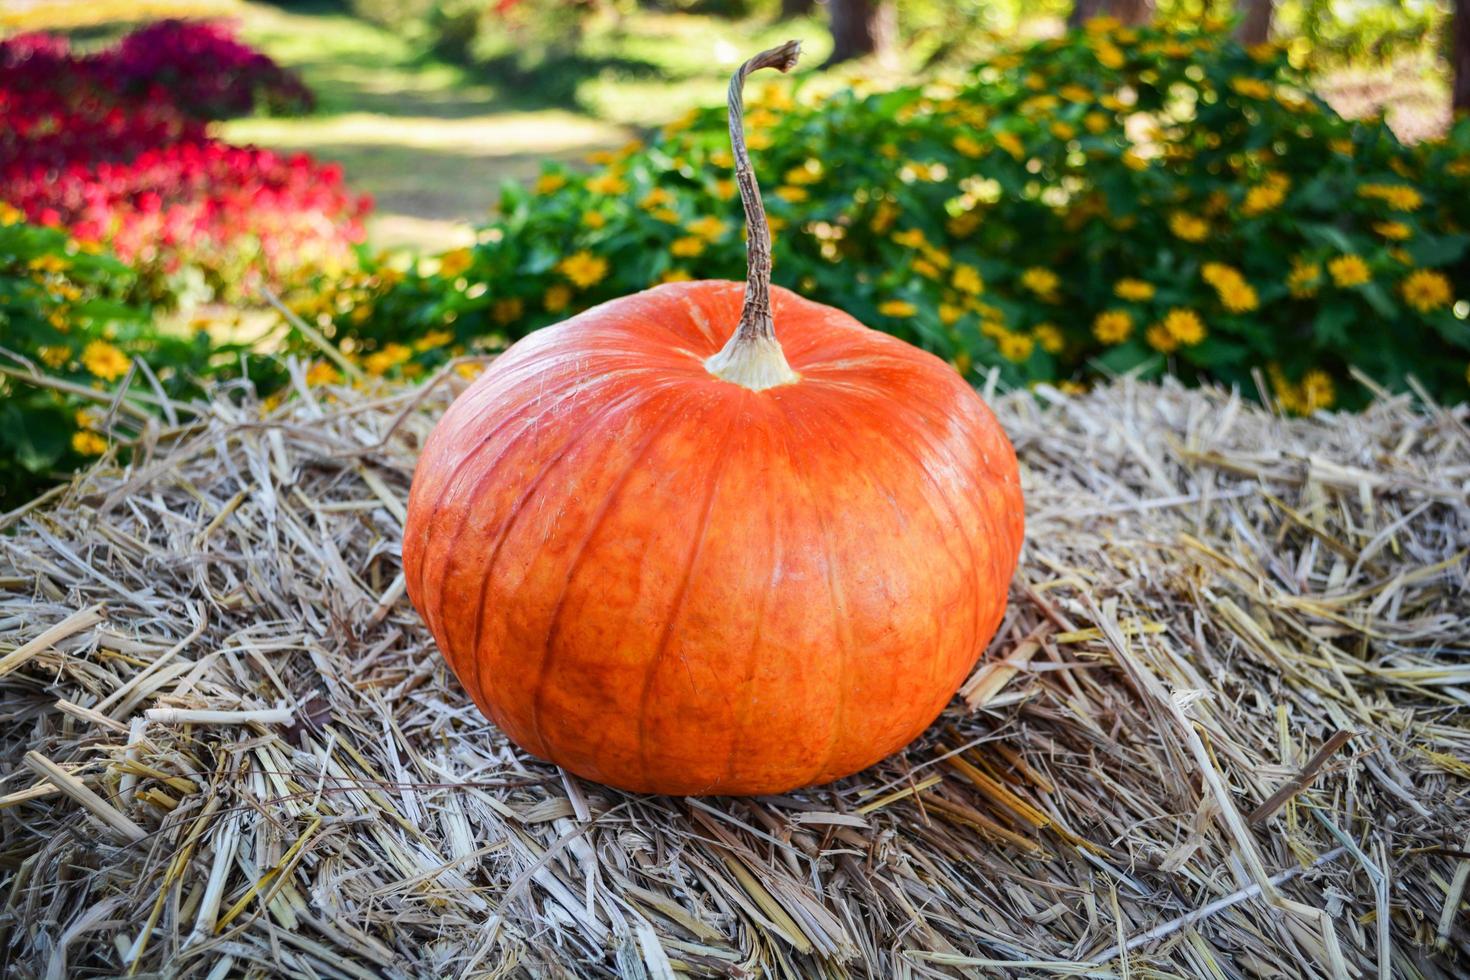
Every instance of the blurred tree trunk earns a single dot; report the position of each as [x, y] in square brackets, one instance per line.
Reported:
[861, 28]
[1133, 11]
[1127, 11]
[1255, 28]
[1460, 55]
[1085, 10]
[796, 8]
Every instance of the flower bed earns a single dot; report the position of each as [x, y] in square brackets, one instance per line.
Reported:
[1117, 200]
[111, 146]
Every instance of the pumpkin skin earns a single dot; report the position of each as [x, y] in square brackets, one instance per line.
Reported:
[667, 582]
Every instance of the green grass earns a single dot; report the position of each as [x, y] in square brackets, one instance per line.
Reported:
[429, 141]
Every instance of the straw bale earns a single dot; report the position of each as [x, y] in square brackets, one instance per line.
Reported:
[1221, 732]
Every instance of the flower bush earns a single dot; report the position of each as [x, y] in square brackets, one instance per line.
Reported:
[104, 149]
[205, 71]
[72, 319]
[199, 68]
[1116, 200]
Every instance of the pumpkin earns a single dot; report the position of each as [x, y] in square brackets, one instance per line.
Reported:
[714, 538]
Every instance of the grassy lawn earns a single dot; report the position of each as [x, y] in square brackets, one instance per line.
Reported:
[428, 141]
[432, 141]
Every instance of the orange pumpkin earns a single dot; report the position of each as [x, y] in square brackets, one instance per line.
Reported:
[673, 554]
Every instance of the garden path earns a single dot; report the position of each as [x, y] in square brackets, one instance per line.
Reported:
[430, 143]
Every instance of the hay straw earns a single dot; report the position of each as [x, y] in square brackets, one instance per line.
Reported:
[1221, 731]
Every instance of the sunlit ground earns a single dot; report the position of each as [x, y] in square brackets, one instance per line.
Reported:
[429, 143]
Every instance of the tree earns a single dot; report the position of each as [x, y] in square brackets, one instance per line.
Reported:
[1127, 11]
[1255, 27]
[862, 27]
[1460, 56]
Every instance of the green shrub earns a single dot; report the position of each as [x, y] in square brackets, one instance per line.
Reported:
[1117, 200]
[72, 318]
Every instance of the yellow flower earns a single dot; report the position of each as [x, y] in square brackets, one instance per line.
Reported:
[1073, 92]
[55, 357]
[322, 373]
[381, 362]
[506, 311]
[675, 275]
[1015, 347]
[806, 173]
[1185, 326]
[1251, 88]
[10, 214]
[451, 264]
[1303, 279]
[1096, 122]
[883, 218]
[655, 199]
[897, 307]
[583, 268]
[88, 443]
[105, 361]
[1161, 339]
[1063, 131]
[1049, 336]
[962, 225]
[1134, 160]
[608, 183]
[433, 339]
[961, 362]
[1189, 227]
[666, 215]
[949, 314]
[1135, 290]
[1011, 143]
[1042, 282]
[1318, 390]
[1263, 198]
[1348, 270]
[795, 195]
[1238, 296]
[1110, 56]
[1262, 52]
[709, 227]
[469, 370]
[558, 298]
[48, 263]
[1112, 326]
[593, 219]
[968, 146]
[927, 269]
[725, 189]
[1396, 196]
[600, 157]
[1342, 146]
[967, 279]
[1394, 231]
[1426, 291]
[550, 183]
[913, 238]
[687, 247]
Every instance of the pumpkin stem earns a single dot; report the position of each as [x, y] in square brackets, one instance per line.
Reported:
[753, 357]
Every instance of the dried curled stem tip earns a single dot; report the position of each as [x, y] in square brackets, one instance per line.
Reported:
[753, 357]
